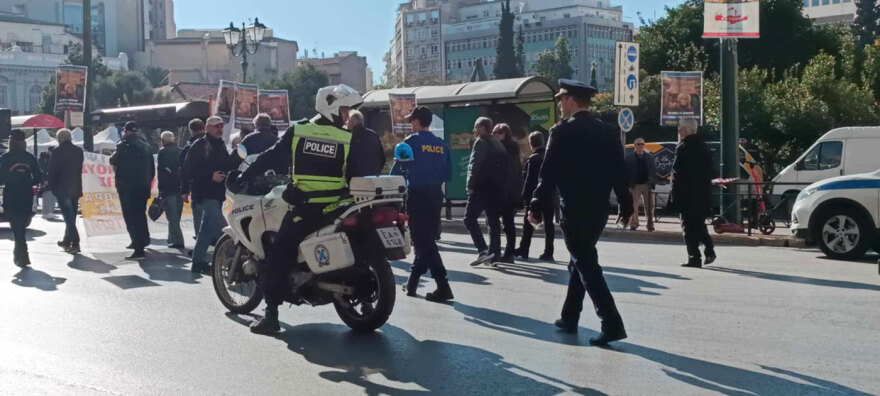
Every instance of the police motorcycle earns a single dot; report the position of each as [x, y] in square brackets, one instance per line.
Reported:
[345, 263]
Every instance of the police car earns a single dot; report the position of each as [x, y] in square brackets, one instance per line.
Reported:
[841, 215]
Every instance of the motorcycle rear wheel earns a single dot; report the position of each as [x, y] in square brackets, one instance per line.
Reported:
[368, 313]
[247, 295]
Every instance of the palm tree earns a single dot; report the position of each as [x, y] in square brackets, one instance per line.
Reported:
[157, 76]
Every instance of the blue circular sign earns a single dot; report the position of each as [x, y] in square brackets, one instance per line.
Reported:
[632, 82]
[626, 119]
[632, 53]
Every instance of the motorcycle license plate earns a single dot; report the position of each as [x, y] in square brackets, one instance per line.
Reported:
[391, 237]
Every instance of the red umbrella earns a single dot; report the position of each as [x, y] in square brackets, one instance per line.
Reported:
[39, 121]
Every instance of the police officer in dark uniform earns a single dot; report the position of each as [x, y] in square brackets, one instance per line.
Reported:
[581, 143]
[19, 173]
[430, 168]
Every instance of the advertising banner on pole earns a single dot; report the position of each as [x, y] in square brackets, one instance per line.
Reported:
[277, 106]
[246, 105]
[682, 96]
[225, 100]
[401, 106]
[732, 18]
[70, 88]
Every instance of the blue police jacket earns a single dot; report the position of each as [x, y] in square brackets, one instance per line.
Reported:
[432, 162]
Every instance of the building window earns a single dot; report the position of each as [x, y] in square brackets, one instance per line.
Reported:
[435, 49]
[410, 18]
[34, 97]
[435, 16]
[435, 32]
[3, 94]
[423, 17]
[26, 46]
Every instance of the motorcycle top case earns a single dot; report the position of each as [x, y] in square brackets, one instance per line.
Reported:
[374, 187]
[327, 253]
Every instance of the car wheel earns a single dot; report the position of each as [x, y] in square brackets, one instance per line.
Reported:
[843, 233]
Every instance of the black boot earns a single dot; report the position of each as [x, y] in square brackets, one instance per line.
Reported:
[442, 294]
[411, 285]
[269, 323]
[24, 259]
[693, 262]
[522, 253]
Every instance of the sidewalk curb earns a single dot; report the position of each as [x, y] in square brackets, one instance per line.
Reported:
[457, 226]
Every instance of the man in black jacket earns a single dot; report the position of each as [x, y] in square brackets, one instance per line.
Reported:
[582, 142]
[19, 173]
[530, 183]
[642, 178]
[692, 191]
[196, 132]
[168, 167]
[261, 139]
[206, 165]
[135, 169]
[65, 182]
[487, 174]
[371, 159]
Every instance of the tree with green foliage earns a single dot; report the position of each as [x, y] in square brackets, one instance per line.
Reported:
[74, 57]
[123, 89]
[157, 76]
[302, 85]
[866, 26]
[505, 62]
[520, 53]
[556, 63]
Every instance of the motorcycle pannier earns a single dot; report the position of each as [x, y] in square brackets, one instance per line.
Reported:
[327, 253]
[377, 187]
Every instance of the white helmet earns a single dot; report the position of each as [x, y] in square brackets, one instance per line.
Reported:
[330, 99]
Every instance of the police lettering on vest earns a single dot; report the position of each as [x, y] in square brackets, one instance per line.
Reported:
[320, 154]
[324, 149]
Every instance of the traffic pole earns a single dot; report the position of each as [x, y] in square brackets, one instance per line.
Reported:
[88, 141]
[730, 205]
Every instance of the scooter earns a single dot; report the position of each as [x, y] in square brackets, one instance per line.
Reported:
[763, 221]
[345, 263]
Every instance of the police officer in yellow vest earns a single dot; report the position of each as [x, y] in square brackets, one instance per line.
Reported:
[316, 156]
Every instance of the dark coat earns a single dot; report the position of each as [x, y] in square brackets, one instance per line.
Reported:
[185, 179]
[19, 172]
[692, 177]
[168, 168]
[514, 185]
[584, 162]
[134, 165]
[367, 157]
[259, 141]
[632, 167]
[206, 156]
[530, 174]
[488, 167]
[65, 171]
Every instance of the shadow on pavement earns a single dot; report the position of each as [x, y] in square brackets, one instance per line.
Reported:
[168, 267]
[560, 276]
[868, 259]
[732, 380]
[636, 272]
[520, 325]
[127, 282]
[452, 275]
[31, 235]
[411, 366]
[83, 263]
[798, 279]
[29, 277]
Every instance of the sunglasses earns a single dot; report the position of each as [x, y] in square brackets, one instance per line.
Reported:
[640, 144]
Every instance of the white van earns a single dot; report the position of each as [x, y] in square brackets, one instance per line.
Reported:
[840, 152]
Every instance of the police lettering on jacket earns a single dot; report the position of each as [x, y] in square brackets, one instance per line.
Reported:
[431, 165]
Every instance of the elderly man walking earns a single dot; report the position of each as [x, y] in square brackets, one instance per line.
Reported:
[487, 175]
[65, 182]
[692, 191]
[370, 159]
[168, 168]
[642, 178]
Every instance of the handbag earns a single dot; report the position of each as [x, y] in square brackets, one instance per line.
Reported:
[156, 208]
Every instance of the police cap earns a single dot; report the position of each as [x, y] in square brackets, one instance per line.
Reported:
[575, 88]
[131, 126]
[421, 113]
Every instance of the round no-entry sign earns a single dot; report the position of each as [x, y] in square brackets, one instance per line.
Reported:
[626, 120]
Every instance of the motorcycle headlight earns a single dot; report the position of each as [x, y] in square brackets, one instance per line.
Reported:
[806, 193]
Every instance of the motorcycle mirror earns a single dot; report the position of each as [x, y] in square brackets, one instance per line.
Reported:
[242, 151]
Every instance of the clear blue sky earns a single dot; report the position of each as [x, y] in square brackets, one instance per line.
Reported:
[331, 26]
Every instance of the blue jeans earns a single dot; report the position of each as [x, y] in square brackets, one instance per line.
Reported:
[68, 208]
[197, 217]
[209, 230]
[173, 210]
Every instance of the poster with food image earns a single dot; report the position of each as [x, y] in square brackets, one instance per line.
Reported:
[401, 106]
[246, 105]
[70, 88]
[277, 106]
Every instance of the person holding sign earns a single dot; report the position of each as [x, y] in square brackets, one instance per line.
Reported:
[584, 202]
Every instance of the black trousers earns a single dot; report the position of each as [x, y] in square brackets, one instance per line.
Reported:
[693, 226]
[478, 203]
[424, 206]
[134, 212]
[18, 222]
[68, 206]
[581, 235]
[508, 221]
[284, 252]
[549, 232]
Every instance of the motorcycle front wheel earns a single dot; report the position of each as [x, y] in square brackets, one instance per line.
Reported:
[373, 302]
[243, 294]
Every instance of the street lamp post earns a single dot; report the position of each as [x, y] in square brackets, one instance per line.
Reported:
[243, 44]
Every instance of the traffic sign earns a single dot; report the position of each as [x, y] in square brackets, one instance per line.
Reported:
[626, 74]
[626, 119]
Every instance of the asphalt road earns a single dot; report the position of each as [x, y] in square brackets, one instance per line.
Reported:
[761, 321]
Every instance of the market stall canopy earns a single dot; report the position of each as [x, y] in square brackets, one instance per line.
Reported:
[36, 121]
[44, 141]
[526, 88]
[154, 116]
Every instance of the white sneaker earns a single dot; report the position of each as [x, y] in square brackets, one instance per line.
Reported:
[483, 257]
